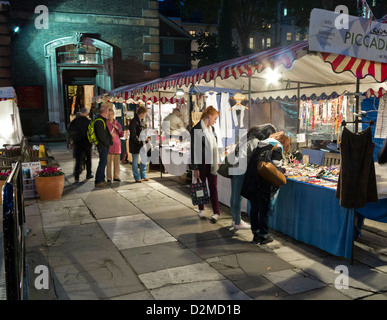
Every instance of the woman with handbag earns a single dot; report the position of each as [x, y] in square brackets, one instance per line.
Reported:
[260, 192]
[205, 157]
[244, 150]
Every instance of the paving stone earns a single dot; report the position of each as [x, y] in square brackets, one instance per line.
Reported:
[293, 282]
[220, 247]
[362, 281]
[66, 217]
[167, 255]
[61, 235]
[208, 290]
[324, 293]
[108, 203]
[251, 262]
[134, 231]
[90, 270]
[143, 295]
[199, 272]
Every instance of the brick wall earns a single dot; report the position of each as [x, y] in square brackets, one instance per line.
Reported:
[130, 27]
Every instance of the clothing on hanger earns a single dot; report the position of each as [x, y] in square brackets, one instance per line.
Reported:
[357, 179]
[225, 115]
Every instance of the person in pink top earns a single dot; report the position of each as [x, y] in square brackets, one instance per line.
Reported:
[115, 130]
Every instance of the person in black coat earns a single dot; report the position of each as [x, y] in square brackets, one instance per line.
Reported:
[81, 145]
[258, 191]
[136, 142]
[204, 157]
[382, 155]
[104, 142]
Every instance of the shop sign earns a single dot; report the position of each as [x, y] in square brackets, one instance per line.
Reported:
[336, 32]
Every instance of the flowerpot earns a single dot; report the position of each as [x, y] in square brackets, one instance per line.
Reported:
[49, 188]
[53, 130]
[2, 182]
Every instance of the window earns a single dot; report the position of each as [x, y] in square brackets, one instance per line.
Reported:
[298, 37]
[289, 36]
[263, 43]
[306, 37]
[192, 33]
[285, 12]
[268, 42]
[206, 33]
[168, 46]
[374, 3]
[251, 43]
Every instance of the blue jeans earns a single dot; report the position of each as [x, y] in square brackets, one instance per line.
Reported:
[142, 175]
[103, 154]
[236, 198]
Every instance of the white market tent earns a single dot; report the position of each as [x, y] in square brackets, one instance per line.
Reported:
[10, 126]
[303, 75]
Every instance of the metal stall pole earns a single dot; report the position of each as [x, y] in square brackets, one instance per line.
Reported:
[298, 111]
[160, 162]
[249, 113]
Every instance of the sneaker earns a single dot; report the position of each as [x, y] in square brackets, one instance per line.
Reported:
[201, 214]
[89, 176]
[117, 179]
[214, 218]
[138, 181]
[242, 225]
[145, 179]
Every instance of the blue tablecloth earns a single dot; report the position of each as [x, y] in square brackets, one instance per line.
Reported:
[312, 214]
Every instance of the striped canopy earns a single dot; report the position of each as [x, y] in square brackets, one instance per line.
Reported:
[314, 74]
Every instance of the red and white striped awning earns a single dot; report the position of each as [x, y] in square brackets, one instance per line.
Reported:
[359, 67]
[294, 62]
[375, 93]
[231, 68]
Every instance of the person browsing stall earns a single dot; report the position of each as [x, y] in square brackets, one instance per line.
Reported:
[136, 143]
[113, 160]
[205, 157]
[260, 192]
[104, 142]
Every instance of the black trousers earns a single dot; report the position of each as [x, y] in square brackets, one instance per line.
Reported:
[82, 152]
[259, 218]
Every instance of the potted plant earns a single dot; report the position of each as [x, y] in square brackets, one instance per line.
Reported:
[3, 178]
[49, 183]
[53, 129]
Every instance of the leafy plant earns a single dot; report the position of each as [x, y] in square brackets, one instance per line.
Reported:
[50, 172]
[4, 175]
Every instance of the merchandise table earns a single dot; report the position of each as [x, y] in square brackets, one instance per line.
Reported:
[312, 214]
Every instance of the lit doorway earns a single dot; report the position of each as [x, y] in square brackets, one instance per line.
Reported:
[79, 89]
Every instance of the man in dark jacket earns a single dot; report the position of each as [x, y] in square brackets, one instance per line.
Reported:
[82, 146]
[104, 142]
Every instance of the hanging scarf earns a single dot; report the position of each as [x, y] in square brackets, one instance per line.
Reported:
[211, 147]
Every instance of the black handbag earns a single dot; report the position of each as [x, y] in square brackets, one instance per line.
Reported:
[199, 193]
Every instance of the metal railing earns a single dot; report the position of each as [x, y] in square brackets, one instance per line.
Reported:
[14, 235]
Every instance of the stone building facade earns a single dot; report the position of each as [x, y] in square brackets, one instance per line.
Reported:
[64, 45]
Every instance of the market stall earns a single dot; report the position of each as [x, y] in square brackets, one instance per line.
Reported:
[308, 94]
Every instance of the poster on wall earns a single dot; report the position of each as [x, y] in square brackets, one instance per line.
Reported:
[30, 97]
[29, 171]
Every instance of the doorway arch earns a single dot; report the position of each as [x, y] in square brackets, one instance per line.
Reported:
[54, 73]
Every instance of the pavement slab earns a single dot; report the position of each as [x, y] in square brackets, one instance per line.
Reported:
[88, 270]
[107, 203]
[134, 231]
[208, 290]
[293, 282]
[159, 256]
